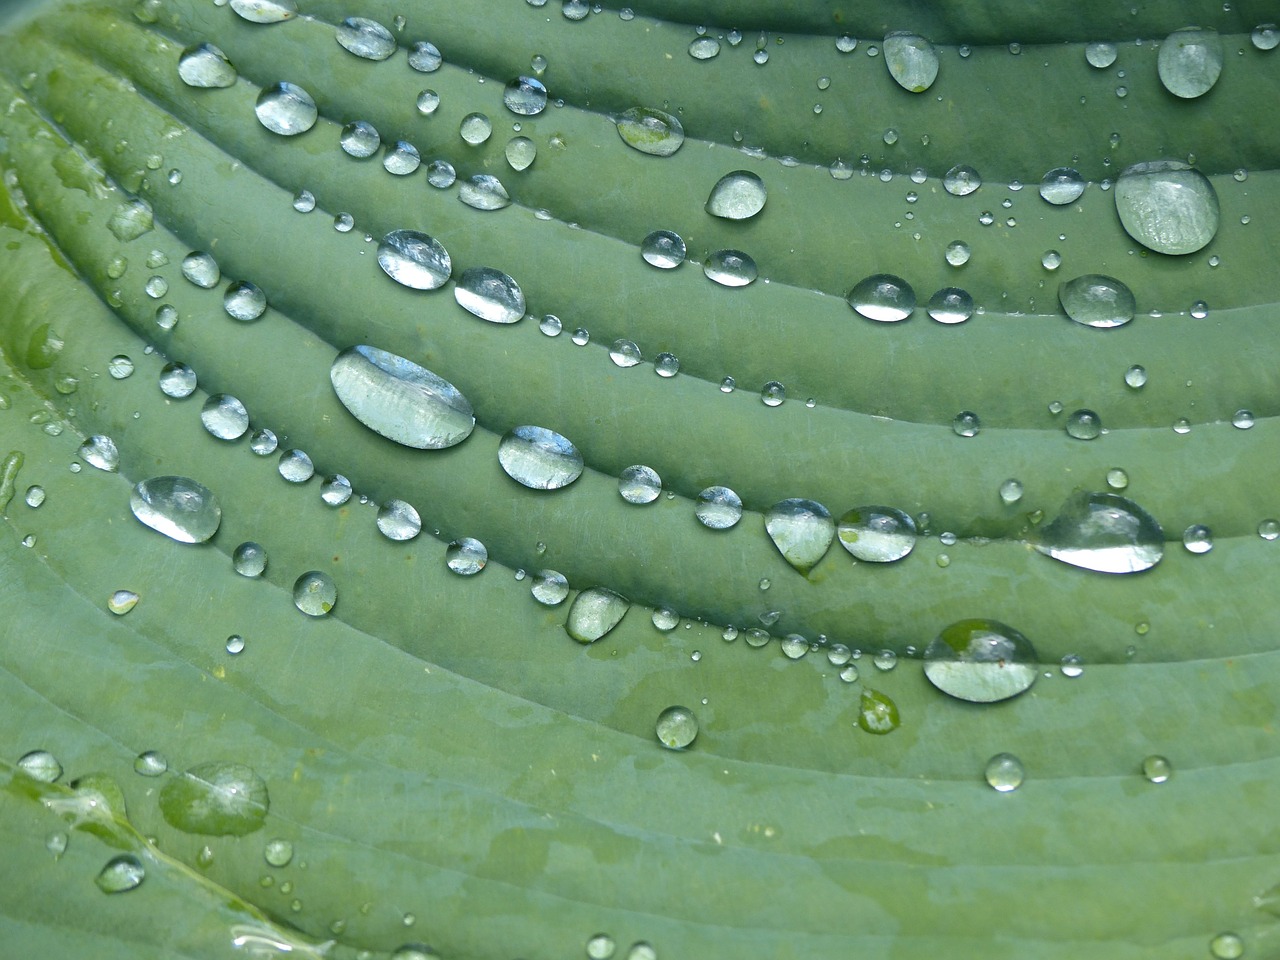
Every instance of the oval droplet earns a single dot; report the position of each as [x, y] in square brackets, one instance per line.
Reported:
[204, 65]
[877, 534]
[425, 57]
[100, 451]
[466, 556]
[593, 613]
[1190, 61]
[178, 507]
[414, 259]
[490, 295]
[730, 268]
[739, 195]
[550, 588]
[677, 727]
[718, 508]
[1097, 301]
[40, 765]
[481, 191]
[912, 61]
[265, 11]
[1103, 532]
[961, 180]
[366, 38]
[398, 520]
[121, 874]
[216, 799]
[286, 109]
[802, 530]
[201, 269]
[650, 131]
[982, 661]
[224, 417]
[539, 458]
[359, 139]
[1167, 206]
[883, 297]
[639, 484]
[625, 353]
[244, 301]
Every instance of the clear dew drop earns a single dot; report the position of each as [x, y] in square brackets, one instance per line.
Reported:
[415, 260]
[1084, 425]
[957, 253]
[882, 297]
[1226, 946]
[40, 765]
[315, 593]
[1269, 529]
[122, 601]
[1197, 539]
[1104, 532]
[1265, 36]
[966, 423]
[520, 153]
[666, 364]
[1010, 492]
[178, 507]
[1136, 377]
[1061, 186]
[401, 400]
[961, 180]
[1100, 55]
[1051, 260]
[912, 61]
[475, 128]
[304, 201]
[663, 249]
[287, 109]
[739, 195]
[398, 520]
[730, 268]
[235, 644]
[1117, 478]
[204, 65]
[201, 269]
[100, 451]
[550, 587]
[593, 613]
[802, 530]
[539, 458]
[877, 534]
[1190, 61]
[359, 139]
[1097, 301]
[1004, 773]
[625, 353]
[277, 852]
[217, 799]
[466, 556]
[427, 103]
[150, 763]
[335, 490]
[244, 301]
[121, 874]
[34, 496]
[665, 619]
[1071, 666]
[982, 661]
[704, 48]
[365, 38]
[402, 158]
[1167, 206]
[525, 96]
[425, 57]
[490, 295]
[950, 305]
[265, 11]
[1157, 769]
[296, 466]
[639, 484]
[263, 442]
[131, 220]
[718, 508]
[601, 946]
[676, 728]
[441, 175]
[224, 417]
[877, 713]
[650, 131]
[482, 191]
[249, 559]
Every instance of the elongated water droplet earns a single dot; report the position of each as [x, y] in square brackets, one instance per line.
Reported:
[650, 131]
[739, 195]
[883, 297]
[1167, 206]
[40, 765]
[265, 11]
[663, 249]
[912, 61]
[204, 65]
[877, 713]
[1062, 185]
[315, 593]
[877, 534]
[593, 613]
[490, 295]
[525, 96]
[981, 661]
[100, 451]
[481, 191]
[704, 48]
[366, 38]
[676, 728]
[178, 507]
[802, 530]
[400, 400]
[539, 458]
[285, 108]
[121, 874]
[216, 799]
[1004, 773]
[1190, 61]
[415, 259]
[1104, 532]
[730, 268]
[1097, 301]
[718, 508]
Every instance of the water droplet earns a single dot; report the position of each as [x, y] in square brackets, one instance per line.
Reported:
[178, 507]
[1242, 419]
[666, 364]
[877, 713]
[625, 353]
[475, 128]
[1004, 772]
[304, 201]
[1010, 492]
[296, 466]
[482, 191]
[1157, 769]
[1136, 377]
[398, 520]
[366, 38]
[663, 249]
[1226, 946]
[549, 588]
[981, 661]
[885, 660]
[122, 873]
[224, 416]
[122, 601]
[600, 947]
[1190, 61]
[441, 175]
[593, 613]
[216, 799]
[1103, 532]
[265, 11]
[525, 96]
[1097, 301]
[966, 424]
[757, 638]
[40, 765]
[650, 131]
[286, 109]
[1100, 55]
[704, 48]
[718, 508]
[201, 269]
[402, 159]
[802, 530]
[665, 619]
[1062, 185]
[1117, 479]
[739, 195]
[100, 451]
[131, 220]
[957, 253]
[1072, 666]
[730, 268]
[425, 57]
[34, 496]
[950, 305]
[520, 153]
[1269, 529]
[773, 394]
[428, 101]
[277, 852]
[1197, 538]
[1051, 260]
[1084, 425]
[315, 593]
[415, 260]
[263, 442]
[877, 534]
[359, 139]
[249, 559]
[490, 295]
[1167, 206]
[883, 297]
[639, 484]
[244, 301]
[204, 65]
[1265, 36]
[580, 337]
[539, 458]
[961, 180]
[466, 556]
[150, 763]
[912, 61]
[676, 729]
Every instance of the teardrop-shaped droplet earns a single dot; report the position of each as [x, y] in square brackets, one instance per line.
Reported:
[1061, 186]
[877, 534]
[417, 260]
[539, 458]
[981, 661]
[1103, 532]
[663, 249]
[877, 713]
[520, 153]
[1190, 61]
[401, 400]
[483, 191]
[676, 728]
[265, 11]
[122, 873]
[466, 556]
[802, 530]
[100, 451]
[216, 799]
[912, 61]
[730, 268]
[650, 131]
[366, 38]
[961, 180]
[525, 96]
[1167, 206]
[490, 295]
[122, 601]
[718, 508]
[204, 65]
[1097, 301]
[739, 195]
[286, 109]
[178, 507]
[593, 613]
[883, 297]
[950, 305]
[315, 593]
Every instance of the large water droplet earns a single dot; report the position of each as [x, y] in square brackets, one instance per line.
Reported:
[1103, 532]
[912, 61]
[961, 180]
[1004, 773]
[481, 191]
[359, 139]
[415, 259]
[718, 508]
[950, 305]
[1265, 36]
[265, 11]
[1062, 185]
[877, 534]
[286, 109]
[204, 65]
[216, 799]
[593, 613]
[1100, 55]
[1167, 206]
[730, 268]
[122, 873]
[676, 728]
[1084, 425]
[981, 661]
[315, 593]
[883, 297]
[650, 131]
[739, 195]
[399, 520]
[877, 713]
[802, 530]
[178, 507]
[40, 765]
[365, 38]
[401, 400]
[425, 57]
[100, 451]
[663, 249]
[490, 295]
[1227, 946]
[639, 484]
[1097, 301]
[525, 96]
[1190, 61]
[704, 48]
[539, 458]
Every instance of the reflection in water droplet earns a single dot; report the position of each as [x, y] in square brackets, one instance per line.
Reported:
[1197, 538]
[600, 947]
[122, 601]
[981, 661]
[1100, 55]
[482, 191]
[883, 297]
[718, 508]
[1103, 532]
[415, 259]
[594, 613]
[150, 763]
[1084, 425]
[1190, 61]
[359, 139]
[100, 451]
[525, 96]
[966, 423]
[639, 484]
[335, 490]
[704, 48]
[961, 180]
[475, 128]
[1167, 206]
[427, 102]
[249, 559]
[1226, 946]
[402, 159]
[666, 364]
[650, 131]
[730, 268]
[131, 220]
[539, 458]
[244, 301]
[286, 109]
[201, 269]
[235, 644]
[957, 253]
[950, 305]
[178, 507]
[40, 765]
[204, 65]
[1062, 185]
[1265, 36]
[490, 295]
[877, 534]
[802, 530]
[398, 520]
[520, 153]
[216, 799]
[441, 175]
[366, 38]
[1136, 377]
[773, 394]
[1269, 529]
[549, 588]
[877, 713]
[264, 11]
[296, 466]
[912, 61]
[676, 728]
[1097, 301]
[1157, 769]
[739, 195]
[625, 353]
[1072, 666]
[1004, 772]
[401, 400]
[122, 873]
[1010, 492]
[224, 416]
[263, 442]
[466, 556]
[277, 852]
[34, 496]
[315, 593]
[663, 249]
[425, 57]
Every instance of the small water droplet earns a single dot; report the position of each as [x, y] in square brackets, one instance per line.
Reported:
[912, 61]
[550, 325]
[950, 305]
[1004, 772]
[884, 660]
[304, 201]
[1117, 479]
[1189, 61]
[982, 661]
[961, 180]
[224, 417]
[665, 619]
[34, 496]
[802, 530]
[249, 559]
[704, 48]
[315, 593]
[1265, 36]
[1136, 377]
[204, 65]
[593, 613]
[966, 424]
[539, 458]
[730, 268]
[466, 556]
[428, 101]
[278, 852]
[1269, 529]
[1071, 665]
[549, 587]
[263, 442]
[718, 508]
[1226, 946]
[1167, 206]
[122, 601]
[265, 11]
[650, 131]
[1084, 425]
[676, 729]
[475, 128]
[131, 220]
[625, 353]
[773, 393]
[739, 195]
[414, 259]
[1097, 301]
[600, 947]
[663, 249]
[877, 534]
[244, 301]
[666, 364]
[525, 96]
[1100, 55]
[490, 295]
[398, 520]
[1157, 769]
[121, 874]
[150, 763]
[201, 269]
[235, 644]
[402, 159]
[480, 191]
[296, 466]
[219, 798]
[1010, 492]
[1062, 185]
[1197, 538]
[877, 713]
[1103, 532]
[1242, 419]
[1182, 426]
[520, 153]
[365, 38]
[639, 484]
[100, 451]
[287, 109]
[882, 297]
[359, 139]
